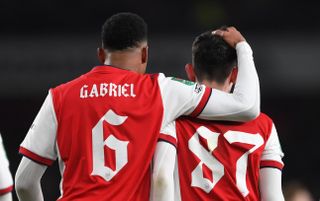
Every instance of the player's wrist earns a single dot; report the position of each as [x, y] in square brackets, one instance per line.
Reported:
[243, 47]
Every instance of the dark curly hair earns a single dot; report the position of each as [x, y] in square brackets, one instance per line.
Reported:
[122, 31]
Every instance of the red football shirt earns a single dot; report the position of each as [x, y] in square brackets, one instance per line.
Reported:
[220, 161]
[103, 126]
[103, 129]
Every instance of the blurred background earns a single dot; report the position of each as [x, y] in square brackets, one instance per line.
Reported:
[46, 43]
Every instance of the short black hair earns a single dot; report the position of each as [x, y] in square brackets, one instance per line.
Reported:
[212, 57]
[122, 31]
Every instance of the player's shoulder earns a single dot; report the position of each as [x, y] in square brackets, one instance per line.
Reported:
[153, 77]
[162, 80]
[264, 118]
[264, 123]
[70, 84]
[160, 77]
[174, 80]
[58, 92]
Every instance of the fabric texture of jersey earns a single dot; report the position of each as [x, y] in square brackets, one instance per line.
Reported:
[103, 129]
[220, 161]
[5, 175]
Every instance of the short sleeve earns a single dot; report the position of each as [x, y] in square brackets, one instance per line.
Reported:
[168, 134]
[272, 154]
[181, 97]
[40, 143]
[6, 181]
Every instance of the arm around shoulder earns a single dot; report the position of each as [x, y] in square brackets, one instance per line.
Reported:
[244, 103]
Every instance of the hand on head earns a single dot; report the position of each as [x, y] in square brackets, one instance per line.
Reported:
[231, 35]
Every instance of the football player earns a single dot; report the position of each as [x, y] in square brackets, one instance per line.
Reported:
[103, 126]
[218, 160]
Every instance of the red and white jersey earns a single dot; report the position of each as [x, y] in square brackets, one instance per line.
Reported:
[5, 175]
[103, 128]
[220, 161]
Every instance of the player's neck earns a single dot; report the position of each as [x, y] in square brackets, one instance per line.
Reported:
[124, 60]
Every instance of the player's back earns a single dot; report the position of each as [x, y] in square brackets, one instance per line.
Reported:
[104, 126]
[107, 123]
[220, 161]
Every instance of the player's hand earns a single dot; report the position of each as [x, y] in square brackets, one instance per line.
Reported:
[231, 35]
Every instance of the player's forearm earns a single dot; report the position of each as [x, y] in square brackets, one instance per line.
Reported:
[244, 103]
[6, 197]
[162, 176]
[270, 184]
[247, 89]
[29, 193]
[163, 189]
[27, 181]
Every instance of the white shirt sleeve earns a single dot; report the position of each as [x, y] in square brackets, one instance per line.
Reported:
[181, 97]
[270, 185]
[168, 134]
[163, 181]
[272, 154]
[6, 181]
[244, 103]
[163, 184]
[6, 197]
[28, 180]
[39, 144]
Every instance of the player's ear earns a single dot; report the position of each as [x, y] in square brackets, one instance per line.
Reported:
[190, 72]
[101, 55]
[234, 74]
[144, 55]
[231, 80]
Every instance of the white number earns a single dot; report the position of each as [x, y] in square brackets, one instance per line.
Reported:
[120, 147]
[206, 158]
[217, 168]
[242, 163]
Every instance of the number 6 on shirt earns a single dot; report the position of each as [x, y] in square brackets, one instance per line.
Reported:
[120, 147]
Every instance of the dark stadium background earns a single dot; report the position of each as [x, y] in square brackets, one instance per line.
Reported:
[45, 43]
